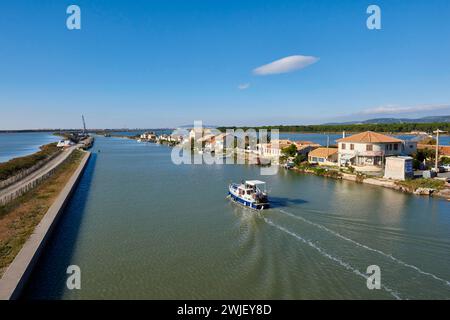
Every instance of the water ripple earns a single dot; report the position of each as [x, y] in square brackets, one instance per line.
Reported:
[367, 247]
[329, 256]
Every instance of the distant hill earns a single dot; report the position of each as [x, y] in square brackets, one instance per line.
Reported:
[189, 126]
[396, 120]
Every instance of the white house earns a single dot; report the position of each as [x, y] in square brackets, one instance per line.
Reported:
[197, 133]
[273, 148]
[371, 148]
[323, 156]
[148, 136]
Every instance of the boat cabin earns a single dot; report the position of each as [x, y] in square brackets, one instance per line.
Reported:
[250, 193]
[251, 187]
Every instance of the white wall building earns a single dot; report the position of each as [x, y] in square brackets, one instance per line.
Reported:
[371, 149]
[399, 168]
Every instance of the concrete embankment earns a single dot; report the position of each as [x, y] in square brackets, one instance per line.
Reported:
[385, 183]
[19, 271]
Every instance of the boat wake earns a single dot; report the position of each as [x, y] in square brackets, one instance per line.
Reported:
[329, 256]
[366, 247]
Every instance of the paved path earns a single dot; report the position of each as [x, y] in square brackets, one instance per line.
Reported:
[38, 173]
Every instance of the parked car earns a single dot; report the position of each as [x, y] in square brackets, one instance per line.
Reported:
[440, 169]
[446, 167]
[289, 165]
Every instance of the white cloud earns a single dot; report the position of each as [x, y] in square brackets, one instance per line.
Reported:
[393, 109]
[285, 65]
[244, 86]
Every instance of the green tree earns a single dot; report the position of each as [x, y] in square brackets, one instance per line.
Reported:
[290, 151]
[299, 159]
[445, 160]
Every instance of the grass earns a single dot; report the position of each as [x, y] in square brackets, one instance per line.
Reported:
[413, 184]
[14, 166]
[19, 217]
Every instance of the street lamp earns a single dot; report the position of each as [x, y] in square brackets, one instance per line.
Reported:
[437, 148]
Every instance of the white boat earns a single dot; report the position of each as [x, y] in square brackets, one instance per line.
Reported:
[65, 144]
[250, 193]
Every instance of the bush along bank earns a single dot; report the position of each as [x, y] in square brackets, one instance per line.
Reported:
[422, 186]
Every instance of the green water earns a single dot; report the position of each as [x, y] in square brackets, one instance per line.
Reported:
[141, 227]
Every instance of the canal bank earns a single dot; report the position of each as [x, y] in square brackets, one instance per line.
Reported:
[423, 187]
[141, 227]
[396, 185]
[19, 271]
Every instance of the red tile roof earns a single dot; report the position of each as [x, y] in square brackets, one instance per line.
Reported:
[443, 150]
[369, 136]
[323, 152]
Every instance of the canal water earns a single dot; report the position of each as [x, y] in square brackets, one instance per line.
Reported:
[140, 227]
[20, 144]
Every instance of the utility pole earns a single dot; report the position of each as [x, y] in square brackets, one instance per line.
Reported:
[437, 149]
[328, 145]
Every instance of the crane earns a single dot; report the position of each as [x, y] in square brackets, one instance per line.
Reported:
[84, 125]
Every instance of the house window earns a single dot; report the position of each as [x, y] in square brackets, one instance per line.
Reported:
[352, 146]
[343, 146]
[369, 147]
[395, 146]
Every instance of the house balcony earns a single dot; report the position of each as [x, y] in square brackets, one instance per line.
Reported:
[370, 153]
[354, 153]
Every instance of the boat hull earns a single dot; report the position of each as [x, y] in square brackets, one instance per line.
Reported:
[249, 204]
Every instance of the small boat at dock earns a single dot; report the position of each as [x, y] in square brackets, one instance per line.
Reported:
[250, 193]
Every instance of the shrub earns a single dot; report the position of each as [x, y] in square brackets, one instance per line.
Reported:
[413, 184]
[360, 177]
[13, 166]
[320, 171]
[334, 174]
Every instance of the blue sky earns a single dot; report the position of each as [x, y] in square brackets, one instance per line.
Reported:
[168, 63]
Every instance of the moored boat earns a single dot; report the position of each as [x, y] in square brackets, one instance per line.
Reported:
[250, 193]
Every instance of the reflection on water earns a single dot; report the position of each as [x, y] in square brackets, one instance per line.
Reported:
[140, 227]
